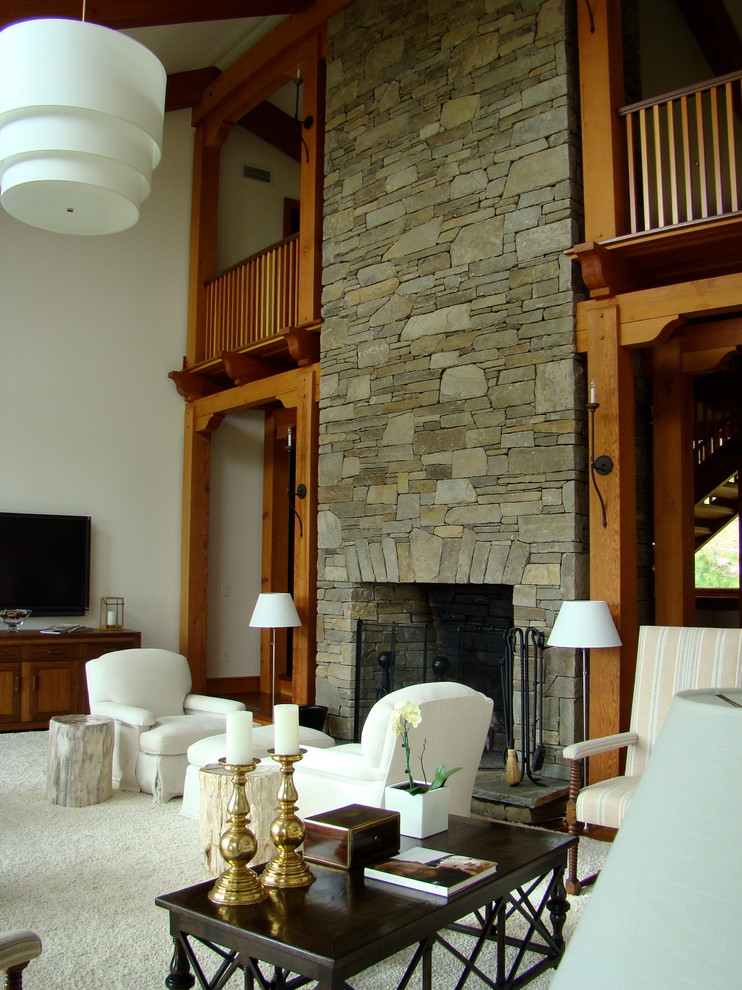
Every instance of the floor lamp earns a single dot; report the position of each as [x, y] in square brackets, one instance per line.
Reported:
[665, 910]
[584, 626]
[274, 610]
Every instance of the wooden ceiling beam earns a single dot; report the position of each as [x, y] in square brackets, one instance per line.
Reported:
[123, 14]
[184, 89]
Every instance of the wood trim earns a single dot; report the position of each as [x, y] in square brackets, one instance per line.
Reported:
[646, 313]
[672, 416]
[603, 136]
[613, 555]
[226, 687]
[195, 548]
[204, 207]
[305, 554]
[255, 75]
[312, 185]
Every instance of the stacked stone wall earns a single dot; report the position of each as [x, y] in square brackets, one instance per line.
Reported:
[452, 441]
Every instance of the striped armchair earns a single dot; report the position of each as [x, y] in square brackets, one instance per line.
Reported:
[669, 659]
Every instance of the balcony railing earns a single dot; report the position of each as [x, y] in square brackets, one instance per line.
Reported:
[684, 151]
[254, 300]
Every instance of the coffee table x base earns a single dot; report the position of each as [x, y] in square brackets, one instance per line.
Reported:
[341, 925]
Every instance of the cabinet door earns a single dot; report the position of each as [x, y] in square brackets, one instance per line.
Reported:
[10, 692]
[51, 689]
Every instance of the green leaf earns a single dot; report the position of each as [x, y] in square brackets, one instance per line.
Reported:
[441, 776]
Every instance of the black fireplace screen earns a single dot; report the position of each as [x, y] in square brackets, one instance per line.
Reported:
[497, 661]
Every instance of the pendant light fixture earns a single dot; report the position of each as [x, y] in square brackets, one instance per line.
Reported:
[81, 119]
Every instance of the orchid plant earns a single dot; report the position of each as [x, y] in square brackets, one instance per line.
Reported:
[406, 715]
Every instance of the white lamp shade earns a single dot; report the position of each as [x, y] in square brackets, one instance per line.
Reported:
[275, 610]
[81, 120]
[664, 913]
[585, 626]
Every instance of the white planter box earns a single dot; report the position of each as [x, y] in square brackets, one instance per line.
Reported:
[420, 815]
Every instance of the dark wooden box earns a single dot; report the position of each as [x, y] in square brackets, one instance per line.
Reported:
[351, 836]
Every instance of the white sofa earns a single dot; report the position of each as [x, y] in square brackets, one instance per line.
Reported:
[156, 718]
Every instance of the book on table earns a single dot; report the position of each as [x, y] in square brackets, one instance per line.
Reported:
[431, 870]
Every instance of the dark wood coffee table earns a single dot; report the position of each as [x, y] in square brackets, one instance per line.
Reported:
[343, 924]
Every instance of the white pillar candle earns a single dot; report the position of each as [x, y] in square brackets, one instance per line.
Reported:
[239, 738]
[286, 729]
[111, 617]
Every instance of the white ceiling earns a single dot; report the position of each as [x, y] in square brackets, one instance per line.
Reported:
[182, 47]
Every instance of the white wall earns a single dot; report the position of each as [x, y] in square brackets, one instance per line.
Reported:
[89, 329]
[235, 544]
[251, 212]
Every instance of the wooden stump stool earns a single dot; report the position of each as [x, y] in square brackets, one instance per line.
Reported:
[80, 763]
[261, 791]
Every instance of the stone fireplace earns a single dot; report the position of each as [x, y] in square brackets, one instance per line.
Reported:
[452, 439]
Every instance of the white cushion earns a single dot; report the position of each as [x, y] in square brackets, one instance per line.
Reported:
[214, 748]
[174, 734]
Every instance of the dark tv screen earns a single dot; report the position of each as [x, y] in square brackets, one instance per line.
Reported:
[45, 563]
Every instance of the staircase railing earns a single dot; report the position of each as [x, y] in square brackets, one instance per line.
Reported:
[684, 150]
[253, 300]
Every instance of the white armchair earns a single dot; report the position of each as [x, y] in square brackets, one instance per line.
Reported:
[455, 722]
[669, 659]
[147, 694]
[17, 949]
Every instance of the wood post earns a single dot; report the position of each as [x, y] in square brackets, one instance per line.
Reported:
[674, 571]
[613, 555]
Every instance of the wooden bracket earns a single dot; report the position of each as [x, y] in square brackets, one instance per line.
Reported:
[244, 368]
[191, 385]
[303, 346]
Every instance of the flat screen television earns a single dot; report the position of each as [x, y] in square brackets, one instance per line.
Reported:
[45, 563]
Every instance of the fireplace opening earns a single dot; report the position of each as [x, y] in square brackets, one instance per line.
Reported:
[439, 632]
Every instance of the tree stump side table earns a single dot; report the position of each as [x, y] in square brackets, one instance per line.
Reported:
[80, 766]
[215, 788]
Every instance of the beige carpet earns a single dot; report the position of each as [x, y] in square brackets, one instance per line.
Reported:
[85, 880]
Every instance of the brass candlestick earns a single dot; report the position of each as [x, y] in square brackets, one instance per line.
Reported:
[238, 884]
[287, 868]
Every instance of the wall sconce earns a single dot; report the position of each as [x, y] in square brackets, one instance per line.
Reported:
[306, 122]
[598, 465]
[111, 613]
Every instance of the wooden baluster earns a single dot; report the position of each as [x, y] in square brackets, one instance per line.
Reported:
[701, 156]
[731, 148]
[716, 151]
[687, 160]
[658, 178]
[673, 161]
[647, 223]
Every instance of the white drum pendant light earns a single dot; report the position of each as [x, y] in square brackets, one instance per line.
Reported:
[81, 117]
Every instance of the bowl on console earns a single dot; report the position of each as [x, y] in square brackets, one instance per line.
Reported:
[14, 617]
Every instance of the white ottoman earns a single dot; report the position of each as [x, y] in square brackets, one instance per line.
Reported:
[213, 748]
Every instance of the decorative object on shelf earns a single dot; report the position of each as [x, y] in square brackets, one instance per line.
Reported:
[238, 884]
[287, 868]
[111, 612]
[14, 617]
[274, 610]
[584, 626]
[81, 120]
[422, 805]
